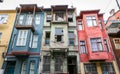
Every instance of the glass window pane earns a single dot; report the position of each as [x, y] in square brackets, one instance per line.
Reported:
[37, 19]
[58, 31]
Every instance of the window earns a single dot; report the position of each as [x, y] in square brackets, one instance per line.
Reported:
[80, 27]
[32, 67]
[3, 18]
[0, 35]
[96, 44]
[117, 43]
[22, 37]
[70, 17]
[90, 68]
[91, 21]
[47, 38]
[21, 19]
[31, 37]
[58, 34]
[35, 41]
[82, 47]
[46, 64]
[58, 63]
[23, 70]
[37, 19]
[107, 68]
[28, 19]
[59, 16]
[106, 45]
[48, 17]
[71, 38]
[100, 22]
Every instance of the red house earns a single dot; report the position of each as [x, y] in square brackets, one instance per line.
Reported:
[95, 51]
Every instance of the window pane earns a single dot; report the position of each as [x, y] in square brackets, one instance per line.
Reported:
[30, 44]
[32, 67]
[96, 44]
[47, 39]
[35, 41]
[23, 70]
[22, 37]
[37, 19]
[58, 31]
[21, 19]
[59, 16]
[91, 21]
[58, 63]
[46, 64]
[29, 19]
[82, 47]
[3, 18]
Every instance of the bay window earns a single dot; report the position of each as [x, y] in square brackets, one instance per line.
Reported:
[91, 21]
[35, 41]
[29, 19]
[22, 37]
[96, 44]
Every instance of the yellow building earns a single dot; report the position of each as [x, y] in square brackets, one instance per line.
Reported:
[7, 18]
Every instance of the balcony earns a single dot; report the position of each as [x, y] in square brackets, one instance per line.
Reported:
[113, 30]
[98, 56]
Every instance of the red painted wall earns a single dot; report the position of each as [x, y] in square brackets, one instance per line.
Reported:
[93, 32]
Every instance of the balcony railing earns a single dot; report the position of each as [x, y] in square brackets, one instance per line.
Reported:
[113, 30]
[25, 25]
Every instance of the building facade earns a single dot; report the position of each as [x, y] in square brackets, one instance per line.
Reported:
[59, 53]
[96, 54]
[23, 53]
[113, 29]
[7, 18]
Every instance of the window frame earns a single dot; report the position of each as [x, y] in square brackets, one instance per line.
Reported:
[106, 45]
[85, 51]
[22, 69]
[46, 63]
[88, 68]
[48, 17]
[20, 38]
[80, 26]
[58, 35]
[97, 44]
[71, 38]
[3, 18]
[115, 44]
[90, 19]
[60, 16]
[37, 19]
[35, 40]
[33, 69]
[47, 38]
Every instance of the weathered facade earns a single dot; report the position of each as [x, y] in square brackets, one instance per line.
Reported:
[113, 29]
[7, 18]
[23, 53]
[96, 54]
[59, 53]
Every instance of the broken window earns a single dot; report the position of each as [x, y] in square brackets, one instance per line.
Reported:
[59, 16]
[59, 34]
[47, 38]
[70, 17]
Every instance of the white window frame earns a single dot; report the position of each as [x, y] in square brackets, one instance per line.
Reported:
[24, 67]
[91, 21]
[32, 67]
[22, 38]
[37, 19]
[35, 41]
[80, 26]
[29, 19]
[3, 18]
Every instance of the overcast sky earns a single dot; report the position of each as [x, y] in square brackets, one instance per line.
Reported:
[104, 5]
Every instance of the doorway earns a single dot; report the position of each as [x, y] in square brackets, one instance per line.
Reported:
[10, 67]
[72, 64]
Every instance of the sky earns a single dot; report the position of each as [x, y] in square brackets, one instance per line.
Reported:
[104, 5]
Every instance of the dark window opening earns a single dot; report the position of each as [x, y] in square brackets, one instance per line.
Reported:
[59, 38]
[59, 34]
[47, 40]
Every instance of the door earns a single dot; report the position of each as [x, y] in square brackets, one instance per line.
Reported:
[10, 67]
[72, 64]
